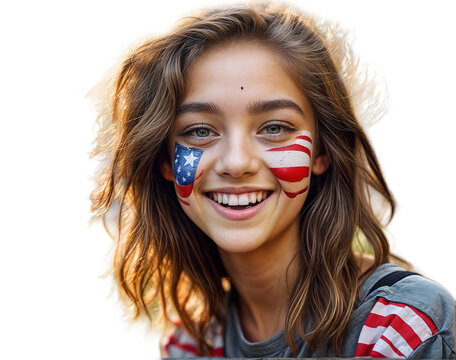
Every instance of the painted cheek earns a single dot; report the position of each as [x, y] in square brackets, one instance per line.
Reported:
[185, 166]
[291, 164]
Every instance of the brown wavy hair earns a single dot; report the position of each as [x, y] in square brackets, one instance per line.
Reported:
[161, 257]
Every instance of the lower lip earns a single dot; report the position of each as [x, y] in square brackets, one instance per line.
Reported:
[238, 214]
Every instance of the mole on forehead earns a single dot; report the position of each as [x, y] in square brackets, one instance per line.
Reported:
[242, 88]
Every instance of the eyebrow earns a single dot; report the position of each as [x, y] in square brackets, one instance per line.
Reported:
[259, 107]
[254, 108]
[199, 107]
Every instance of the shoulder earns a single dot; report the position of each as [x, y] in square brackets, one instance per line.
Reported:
[177, 342]
[415, 317]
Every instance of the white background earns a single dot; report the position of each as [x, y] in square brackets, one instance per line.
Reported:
[54, 302]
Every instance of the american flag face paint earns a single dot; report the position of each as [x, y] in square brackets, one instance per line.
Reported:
[185, 164]
[291, 164]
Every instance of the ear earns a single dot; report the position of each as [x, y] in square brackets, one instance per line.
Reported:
[320, 164]
[167, 171]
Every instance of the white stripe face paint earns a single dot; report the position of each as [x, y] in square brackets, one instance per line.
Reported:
[291, 164]
[290, 158]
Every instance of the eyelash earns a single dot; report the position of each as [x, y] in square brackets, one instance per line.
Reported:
[286, 130]
[191, 132]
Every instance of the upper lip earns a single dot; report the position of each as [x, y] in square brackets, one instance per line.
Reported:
[237, 189]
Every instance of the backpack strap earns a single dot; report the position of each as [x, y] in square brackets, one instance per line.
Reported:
[390, 279]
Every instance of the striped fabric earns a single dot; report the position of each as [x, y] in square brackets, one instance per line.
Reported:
[178, 343]
[393, 330]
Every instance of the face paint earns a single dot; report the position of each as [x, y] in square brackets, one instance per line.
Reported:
[290, 164]
[185, 163]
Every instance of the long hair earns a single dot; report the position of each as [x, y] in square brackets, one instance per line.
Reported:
[161, 256]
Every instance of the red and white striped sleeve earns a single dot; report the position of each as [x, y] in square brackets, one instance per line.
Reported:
[393, 330]
[177, 342]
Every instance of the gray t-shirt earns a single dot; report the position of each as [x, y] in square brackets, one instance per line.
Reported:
[415, 291]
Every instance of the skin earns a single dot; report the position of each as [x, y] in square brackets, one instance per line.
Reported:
[257, 252]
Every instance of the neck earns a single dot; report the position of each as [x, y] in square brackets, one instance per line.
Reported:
[263, 280]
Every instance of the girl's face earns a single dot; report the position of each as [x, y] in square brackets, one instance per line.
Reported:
[242, 147]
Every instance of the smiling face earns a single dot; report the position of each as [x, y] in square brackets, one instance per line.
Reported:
[245, 131]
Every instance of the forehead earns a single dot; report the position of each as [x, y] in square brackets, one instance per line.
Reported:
[229, 54]
[249, 70]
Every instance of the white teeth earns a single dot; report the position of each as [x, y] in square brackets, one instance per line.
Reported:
[239, 199]
[259, 196]
[243, 199]
[233, 200]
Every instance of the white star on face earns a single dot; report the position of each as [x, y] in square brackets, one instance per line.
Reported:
[188, 173]
[189, 159]
[179, 169]
[183, 179]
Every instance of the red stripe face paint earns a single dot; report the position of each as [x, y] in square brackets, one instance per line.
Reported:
[291, 164]
[184, 167]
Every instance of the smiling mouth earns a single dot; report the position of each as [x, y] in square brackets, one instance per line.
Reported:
[239, 201]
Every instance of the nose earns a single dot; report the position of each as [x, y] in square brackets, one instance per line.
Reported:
[238, 157]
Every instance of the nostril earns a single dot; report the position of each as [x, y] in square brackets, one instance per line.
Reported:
[238, 156]
[238, 167]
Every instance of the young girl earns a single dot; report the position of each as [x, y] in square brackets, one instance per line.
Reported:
[242, 181]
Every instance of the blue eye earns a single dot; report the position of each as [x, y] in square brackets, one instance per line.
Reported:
[202, 132]
[198, 134]
[277, 130]
[273, 129]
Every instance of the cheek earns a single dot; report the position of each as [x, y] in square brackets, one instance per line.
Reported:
[185, 170]
[291, 164]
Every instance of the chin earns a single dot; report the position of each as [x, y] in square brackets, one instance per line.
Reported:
[238, 243]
